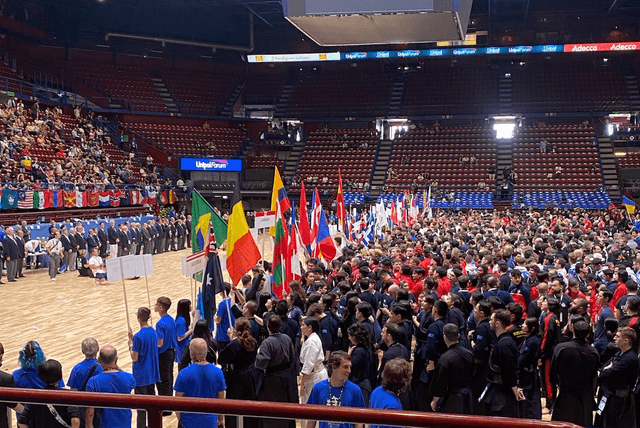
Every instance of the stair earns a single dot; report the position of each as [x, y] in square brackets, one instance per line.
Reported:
[165, 95]
[504, 160]
[504, 95]
[282, 105]
[397, 94]
[608, 166]
[380, 167]
[633, 91]
[291, 163]
[228, 108]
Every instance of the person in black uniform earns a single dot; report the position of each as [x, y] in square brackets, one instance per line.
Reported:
[19, 235]
[161, 243]
[529, 353]
[391, 336]
[550, 338]
[482, 338]
[81, 241]
[103, 240]
[451, 385]
[502, 393]
[616, 407]
[434, 348]
[574, 367]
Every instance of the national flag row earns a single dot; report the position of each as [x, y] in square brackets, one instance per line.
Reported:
[58, 198]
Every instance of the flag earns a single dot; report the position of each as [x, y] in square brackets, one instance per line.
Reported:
[114, 198]
[123, 195]
[342, 213]
[164, 197]
[368, 235]
[305, 231]
[316, 209]
[279, 255]
[212, 284]
[151, 197]
[93, 199]
[326, 245]
[629, 204]
[38, 199]
[242, 251]
[25, 199]
[293, 268]
[394, 213]
[278, 197]
[81, 198]
[9, 199]
[69, 198]
[48, 199]
[199, 313]
[136, 197]
[199, 208]
[58, 198]
[172, 196]
[104, 198]
[429, 211]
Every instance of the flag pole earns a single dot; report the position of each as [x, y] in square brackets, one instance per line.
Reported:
[147, 281]
[124, 291]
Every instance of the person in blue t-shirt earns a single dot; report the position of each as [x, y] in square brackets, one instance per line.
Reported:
[113, 380]
[336, 391]
[167, 344]
[183, 328]
[396, 376]
[143, 347]
[200, 379]
[224, 317]
[31, 356]
[83, 371]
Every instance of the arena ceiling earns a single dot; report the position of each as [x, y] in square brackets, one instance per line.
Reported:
[84, 23]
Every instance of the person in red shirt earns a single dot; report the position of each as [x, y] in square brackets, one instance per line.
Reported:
[416, 285]
[574, 290]
[621, 288]
[406, 274]
[397, 268]
[444, 284]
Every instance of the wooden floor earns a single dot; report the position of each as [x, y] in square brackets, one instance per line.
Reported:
[60, 314]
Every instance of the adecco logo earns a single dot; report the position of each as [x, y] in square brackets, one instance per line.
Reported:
[585, 48]
[624, 47]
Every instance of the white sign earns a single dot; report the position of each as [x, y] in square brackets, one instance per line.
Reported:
[264, 221]
[129, 267]
[193, 263]
[114, 270]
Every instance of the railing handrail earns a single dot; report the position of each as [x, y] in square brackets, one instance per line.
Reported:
[156, 404]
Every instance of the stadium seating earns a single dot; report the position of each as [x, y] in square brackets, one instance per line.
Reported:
[263, 162]
[324, 153]
[437, 155]
[568, 88]
[263, 89]
[631, 160]
[567, 200]
[184, 139]
[340, 95]
[456, 200]
[575, 153]
[199, 93]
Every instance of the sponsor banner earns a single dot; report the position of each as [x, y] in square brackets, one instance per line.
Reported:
[208, 164]
[302, 57]
[602, 47]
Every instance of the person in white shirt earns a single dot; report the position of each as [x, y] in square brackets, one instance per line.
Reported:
[311, 358]
[96, 263]
[55, 250]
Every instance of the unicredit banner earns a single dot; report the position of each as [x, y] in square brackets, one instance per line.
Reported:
[207, 164]
[602, 47]
[447, 52]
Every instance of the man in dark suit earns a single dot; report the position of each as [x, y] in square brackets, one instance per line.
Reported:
[146, 239]
[112, 234]
[68, 248]
[123, 241]
[154, 236]
[188, 227]
[138, 233]
[181, 230]
[161, 243]
[92, 240]
[21, 253]
[103, 239]
[74, 247]
[133, 238]
[81, 242]
[11, 254]
[173, 235]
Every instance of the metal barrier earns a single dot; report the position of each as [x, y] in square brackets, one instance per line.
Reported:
[154, 405]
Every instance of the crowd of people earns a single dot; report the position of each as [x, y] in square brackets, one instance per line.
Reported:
[495, 314]
[69, 248]
[80, 160]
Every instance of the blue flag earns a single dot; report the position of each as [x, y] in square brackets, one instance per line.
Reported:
[9, 199]
[212, 284]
